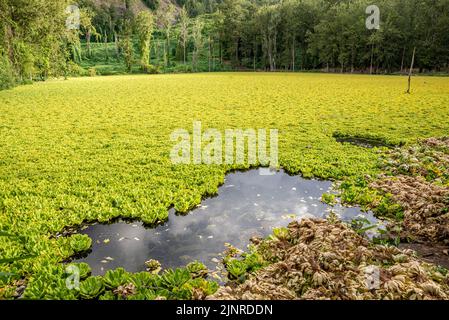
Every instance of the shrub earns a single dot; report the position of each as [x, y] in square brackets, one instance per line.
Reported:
[6, 74]
[180, 68]
[151, 69]
[75, 70]
[92, 72]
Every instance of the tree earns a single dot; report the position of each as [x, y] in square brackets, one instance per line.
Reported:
[218, 31]
[233, 24]
[89, 30]
[184, 31]
[126, 43]
[166, 17]
[268, 17]
[287, 34]
[197, 42]
[144, 28]
[34, 38]
[289, 26]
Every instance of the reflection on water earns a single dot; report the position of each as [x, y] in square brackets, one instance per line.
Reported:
[247, 204]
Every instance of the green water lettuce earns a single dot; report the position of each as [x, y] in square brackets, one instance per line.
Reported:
[91, 288]
[64, 162]
[197, 269]
[115, 278]
[80, 243]
[171, 279]
[144, 280]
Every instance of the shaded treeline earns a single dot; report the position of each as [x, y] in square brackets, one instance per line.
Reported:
[242, 34]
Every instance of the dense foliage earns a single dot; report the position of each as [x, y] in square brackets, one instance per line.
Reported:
[50, 283]
[33, 39]
[214, 35]
[305, 34]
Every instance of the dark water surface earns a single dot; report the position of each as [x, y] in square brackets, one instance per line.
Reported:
[248, 204]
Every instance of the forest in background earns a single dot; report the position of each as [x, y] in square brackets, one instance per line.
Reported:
[153, 36]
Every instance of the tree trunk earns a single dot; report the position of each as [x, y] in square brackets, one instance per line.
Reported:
[270, 55]
[254, 54]
[117, 53]
[209, 55]
[88, 36]
[9, 40]
[220, 48]
[274, 52]
[293, 56]
[411, 71]
[402, 61]
[213, 55]
[184, 47]
[353, 53]
[167, 50]
[372, 57]
[106, 46]
[237, 52]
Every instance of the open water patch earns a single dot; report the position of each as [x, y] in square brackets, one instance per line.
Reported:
[248, 204]
[365, 141]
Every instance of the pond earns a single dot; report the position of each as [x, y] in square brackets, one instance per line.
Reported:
[248, 204]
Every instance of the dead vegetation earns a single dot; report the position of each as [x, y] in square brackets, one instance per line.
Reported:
[417, 177]
[321, 259]
[426, 216]
[428, 159]
[125, 291]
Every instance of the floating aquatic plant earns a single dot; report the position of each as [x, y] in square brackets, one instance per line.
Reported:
[80, 243]
[124, 291]
[144, 280]
[115, 278]
[197, 269]
[83, 269]
[329, 198]
[108, 156]
[175, 278]
[91, 288]
[153, 266]
[329, 260]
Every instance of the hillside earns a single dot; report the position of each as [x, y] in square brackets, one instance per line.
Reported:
[136, 5]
